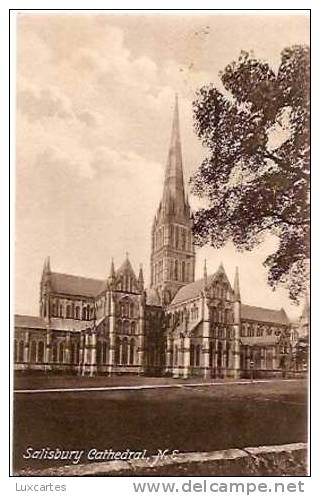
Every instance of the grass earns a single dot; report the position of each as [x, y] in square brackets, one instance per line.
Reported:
[184, 419]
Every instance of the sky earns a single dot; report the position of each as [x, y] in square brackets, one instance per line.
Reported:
[95, 96]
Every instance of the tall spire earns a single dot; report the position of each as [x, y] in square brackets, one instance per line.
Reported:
[172, 254]
[236, 286]
[173, 191]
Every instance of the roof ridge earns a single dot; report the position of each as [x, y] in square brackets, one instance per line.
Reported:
[75, 275]
[194, 284]
[280, 310]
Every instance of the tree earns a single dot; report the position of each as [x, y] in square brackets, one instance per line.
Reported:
[255, 177]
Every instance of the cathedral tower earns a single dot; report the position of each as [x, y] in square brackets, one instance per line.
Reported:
[172, 254]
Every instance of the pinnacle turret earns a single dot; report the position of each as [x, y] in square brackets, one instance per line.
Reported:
[46, 266]
[112, 271]
[221, 267]
[140, 278]
[236, 286]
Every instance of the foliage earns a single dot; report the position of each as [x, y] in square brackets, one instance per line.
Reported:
[255, 177]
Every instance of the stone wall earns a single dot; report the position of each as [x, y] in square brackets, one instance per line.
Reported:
[279, 460]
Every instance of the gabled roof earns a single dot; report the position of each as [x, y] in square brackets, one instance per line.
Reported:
[126, 267]
[260, 314]
[76, 285]
[194, 289]
[32, 322]
[191, 290]
[29, 321]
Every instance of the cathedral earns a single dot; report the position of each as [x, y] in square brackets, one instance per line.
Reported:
[176, 326]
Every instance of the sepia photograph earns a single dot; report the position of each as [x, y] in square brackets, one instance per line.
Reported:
[161, 250]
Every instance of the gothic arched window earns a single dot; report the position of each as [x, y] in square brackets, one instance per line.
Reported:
[187, 271]
[210, 354]
[117, 351]
[21, 351]
[99, 352]
[131, 310]
[74, 353]
[176, 355]
[15, 350]
[40, 358]
[183, 271]
[198, 355]
[219, 355]
[171, 235]
[61, 353]
[183, 237]
[171, 269]
[226, 316]
[124, 309]
[54, 352]
[105, 352]
[53, 309]
[177, 237]
[124, 351]
[132, 349]
[227, 354]
[119, 325]
[33, 352]
[126, 327]
[214, 314]
[176, 270]
[68, 312]
[192, 354]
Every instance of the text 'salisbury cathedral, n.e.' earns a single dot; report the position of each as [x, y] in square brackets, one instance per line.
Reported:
[177, 327]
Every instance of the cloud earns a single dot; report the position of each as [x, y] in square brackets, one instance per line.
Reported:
[94, 115]
[89, 118]
[48, 102]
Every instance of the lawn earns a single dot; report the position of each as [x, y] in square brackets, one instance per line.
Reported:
[202, 418]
